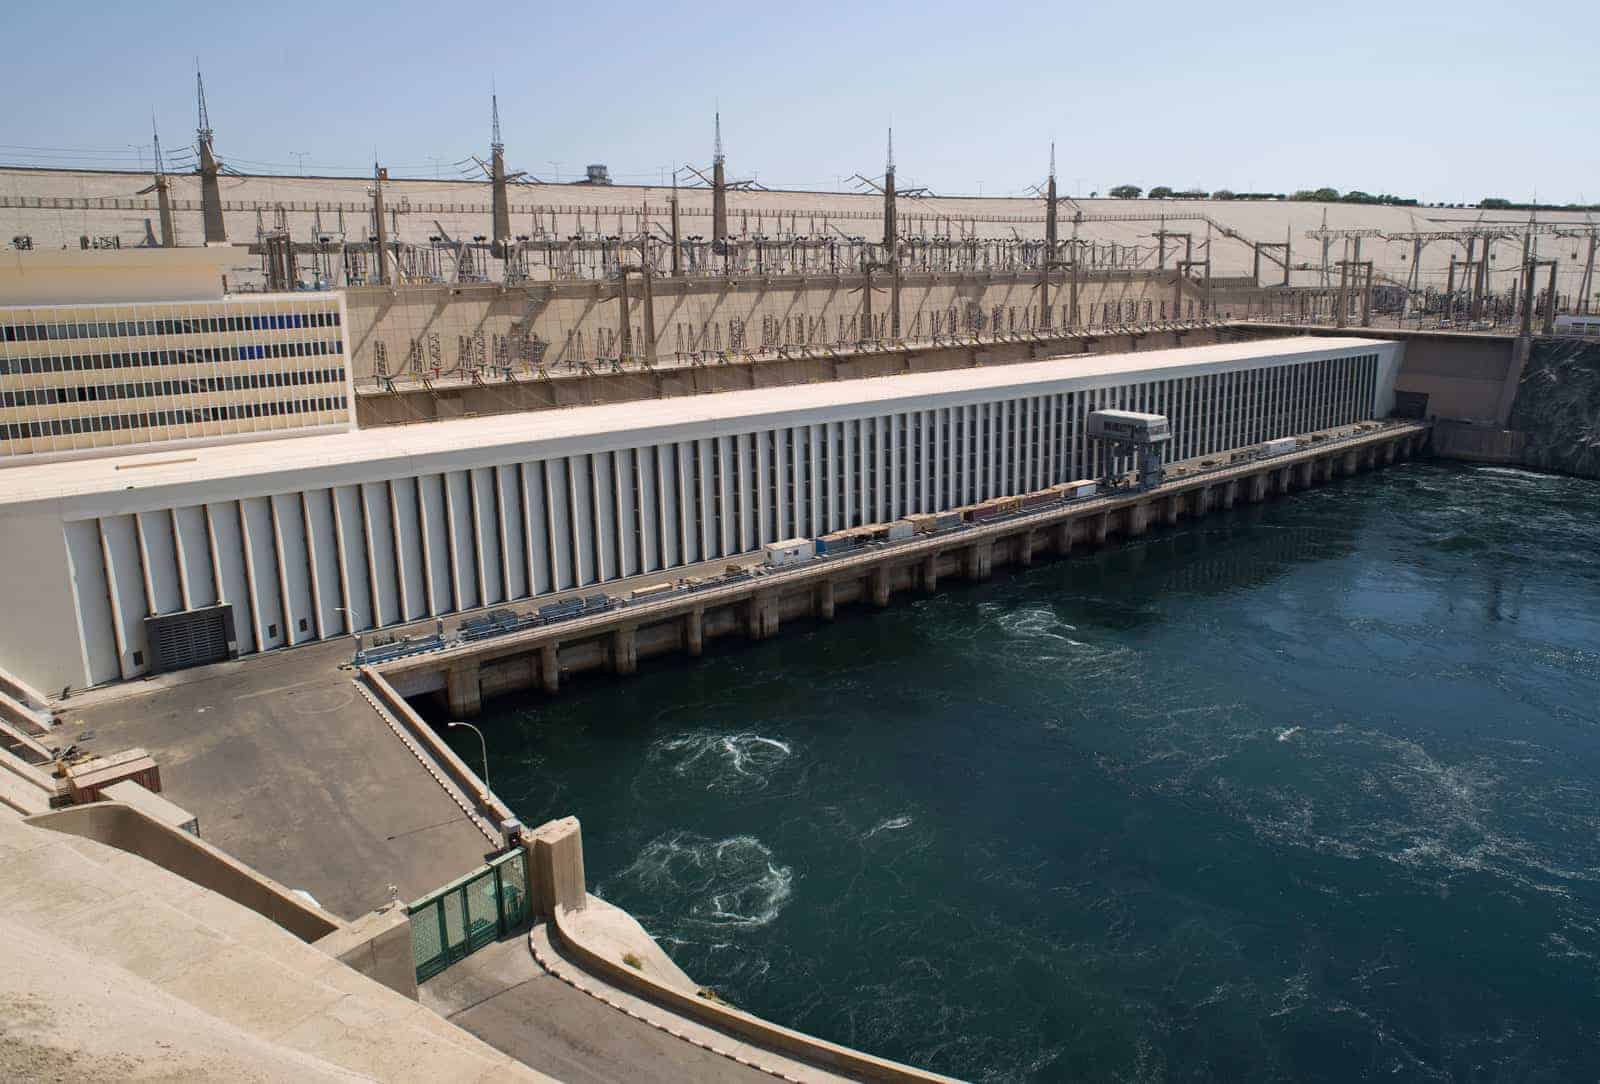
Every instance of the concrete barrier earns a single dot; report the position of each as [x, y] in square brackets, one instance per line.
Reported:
[378, 944]
[193, 859]
[436, 748]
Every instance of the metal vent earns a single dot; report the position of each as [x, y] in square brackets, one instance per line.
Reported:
[191, 638]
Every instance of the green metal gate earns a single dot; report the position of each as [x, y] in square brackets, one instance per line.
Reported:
[455, 921]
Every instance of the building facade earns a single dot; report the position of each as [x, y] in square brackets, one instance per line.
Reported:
[324, 536]
[90, 378]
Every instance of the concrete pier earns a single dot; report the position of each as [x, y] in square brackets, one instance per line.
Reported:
[758, 606]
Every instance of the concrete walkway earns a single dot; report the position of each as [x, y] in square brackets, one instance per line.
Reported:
[293, 772]
[501, 995]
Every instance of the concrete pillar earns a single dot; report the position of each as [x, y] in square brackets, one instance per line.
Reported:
[763, 616]
[1025, 548]
[1347, 464]
[825, 600]
[1173, 507]
[463, 691]
[694, 629]
[1230, 492]
[1102, 527]
[555, 866]
[1388, 453]
[930, 572]
[1137, 518]
[1303, 474]
[1281, 479]
[1369, 457]
[1063, 538]
[625, 650]
[1257, 488]
[880, 585]
[977, 560]
[550, 668]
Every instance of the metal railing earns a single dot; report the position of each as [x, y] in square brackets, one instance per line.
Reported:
[451, 923]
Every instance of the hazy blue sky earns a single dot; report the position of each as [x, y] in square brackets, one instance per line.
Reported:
[1440, 101]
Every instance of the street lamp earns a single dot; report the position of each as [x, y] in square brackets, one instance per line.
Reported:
[485, 747]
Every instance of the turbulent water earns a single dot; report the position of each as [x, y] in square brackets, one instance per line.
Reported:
[1309, 791]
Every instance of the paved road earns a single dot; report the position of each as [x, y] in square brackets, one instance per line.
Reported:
[290, 770]
[501, 995]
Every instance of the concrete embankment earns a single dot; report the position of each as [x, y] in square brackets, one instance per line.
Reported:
[756, 607]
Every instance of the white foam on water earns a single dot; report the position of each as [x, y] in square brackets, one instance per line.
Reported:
[725, 882]
[1512, 472]
[1285, 735]
[742, 761]
[893, 824]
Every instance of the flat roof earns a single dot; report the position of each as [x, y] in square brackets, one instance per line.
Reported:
[260, 467]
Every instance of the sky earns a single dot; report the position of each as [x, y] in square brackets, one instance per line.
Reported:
[1441, 102]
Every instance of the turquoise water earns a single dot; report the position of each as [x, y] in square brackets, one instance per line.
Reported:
[1306, 791]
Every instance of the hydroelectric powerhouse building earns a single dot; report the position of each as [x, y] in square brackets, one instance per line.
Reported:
[243, 548]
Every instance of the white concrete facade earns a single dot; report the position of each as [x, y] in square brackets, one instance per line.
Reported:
[321, 536]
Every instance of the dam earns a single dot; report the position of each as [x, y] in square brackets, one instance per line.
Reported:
[357, 570]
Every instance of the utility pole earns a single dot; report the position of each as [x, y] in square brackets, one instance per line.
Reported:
[381, 251]
[1183, 270]
[163, 190]
[216, 232]
[624, 321]
[1049, 263]
[719, 199]
[1341, 314]
[649, 315]
[1528, 271]
[1588, 275]
[500, 238]
[1480, 287]
[677, 239]
[1550, 301]
[891, 241]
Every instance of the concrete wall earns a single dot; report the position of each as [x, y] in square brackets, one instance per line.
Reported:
[560, 326]
[378, 944]
[407, 402]
[58, 276]
[1467, 377]
[47, 647]
[193, 859]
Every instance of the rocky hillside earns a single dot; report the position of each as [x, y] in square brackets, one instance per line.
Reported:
[1558, 407]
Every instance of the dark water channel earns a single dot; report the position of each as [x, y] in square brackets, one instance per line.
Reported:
[1307, 791]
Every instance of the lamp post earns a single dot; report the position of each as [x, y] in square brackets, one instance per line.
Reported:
[484, 745]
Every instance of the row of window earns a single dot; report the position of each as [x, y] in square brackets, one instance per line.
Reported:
[57, 427]
[192, 325]
[94, 393]
[70, 363]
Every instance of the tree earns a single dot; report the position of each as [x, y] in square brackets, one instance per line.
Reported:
[1494, 203]
[1161, 191]
[1222, 193]
[1126, 191]
[1317, 195]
